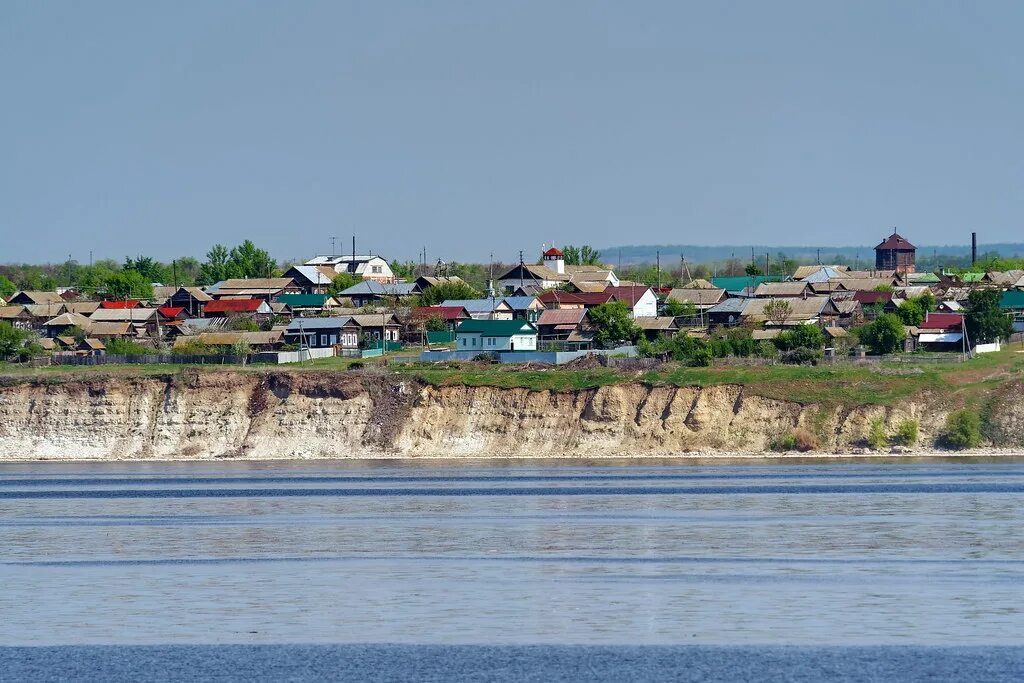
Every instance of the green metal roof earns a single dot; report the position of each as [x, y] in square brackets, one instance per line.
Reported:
[923, 277]
[971, 277]
[738, 282]
[1012, 300]
[303, 300]
[496, 328]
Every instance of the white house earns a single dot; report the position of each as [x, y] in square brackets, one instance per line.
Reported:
[366, 267]
[495, 335]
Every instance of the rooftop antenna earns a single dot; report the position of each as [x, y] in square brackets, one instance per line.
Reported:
[521, 266]
[333, 249]
[352, 266]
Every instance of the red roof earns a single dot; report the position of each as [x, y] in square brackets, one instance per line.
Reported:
[942, 321]
[895, 241]
[584, 298]
[443, 312]
[233, 306]
[629, 294]
[171, 311]
[553, 251]
[872, 297]
[561, 316]
[128, 303]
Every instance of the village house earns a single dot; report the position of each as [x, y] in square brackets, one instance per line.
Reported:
[482, 309]
[701, 299]
[26, 298]
[875, 303]
[564, 325]
[451, 315]
[304, 304]
[653, 328]
[377, 326]
[144, 321]
[18, 316]
[311, 279]
[527, 308]
[266, 288]
[795, 312]
[319, 333]
[553, 273]
[370, 292]
[225, 308]
[367, 267]
[192, 299]
[783, 290]
[938, 332]
[496, 335]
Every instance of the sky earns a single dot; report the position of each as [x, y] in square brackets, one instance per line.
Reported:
[472, 128]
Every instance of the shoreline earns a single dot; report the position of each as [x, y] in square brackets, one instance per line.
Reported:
[985, 453]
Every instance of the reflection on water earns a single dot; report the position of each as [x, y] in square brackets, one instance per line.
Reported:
[810, 552]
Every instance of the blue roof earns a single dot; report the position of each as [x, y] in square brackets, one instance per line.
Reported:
[729, 306]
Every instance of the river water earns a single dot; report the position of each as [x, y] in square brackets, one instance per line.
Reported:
[843, 556]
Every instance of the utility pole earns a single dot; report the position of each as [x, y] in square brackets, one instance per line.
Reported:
[521, 266]
[657, 256]
[333, 248]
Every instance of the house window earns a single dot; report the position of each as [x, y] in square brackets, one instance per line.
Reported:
[323, 340]
[474, 341]
[376, 269]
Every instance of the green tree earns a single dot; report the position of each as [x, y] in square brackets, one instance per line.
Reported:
[432, 296]
[911, 312]
[341, 282]
[436, 323]
[216, 267]
[16, 343]
[613, 324]
[581, 256]
[127, 284]
[678, 309]
[752, 270]
[778, 311]
[7, 288]
[403, 271]
[984, 319]
[801, 337]
[150, 269]
[885, 334]
[248, 260]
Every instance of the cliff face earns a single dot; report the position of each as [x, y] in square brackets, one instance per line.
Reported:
[307, 415]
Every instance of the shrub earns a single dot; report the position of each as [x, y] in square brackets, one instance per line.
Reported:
[766, 349]
[124, 347]
[701, 357]
[906, 433]
[884, 335]
[876, 435]
[799, 439]
[804, 440]
[783, 442]
[963, 429]
[802, 355]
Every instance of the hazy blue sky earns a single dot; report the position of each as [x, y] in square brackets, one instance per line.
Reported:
[471, 127]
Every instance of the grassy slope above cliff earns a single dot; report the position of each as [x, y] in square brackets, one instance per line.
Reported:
[838, 385]
[967, 383]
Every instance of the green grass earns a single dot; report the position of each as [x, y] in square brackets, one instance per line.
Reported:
[842, 385]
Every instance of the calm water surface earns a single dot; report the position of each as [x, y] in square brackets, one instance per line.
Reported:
[807, 553]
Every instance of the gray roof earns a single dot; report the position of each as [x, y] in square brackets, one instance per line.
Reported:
[519, 303]
[374, 287]
[475, 305]
[310, 324]
[729, 306]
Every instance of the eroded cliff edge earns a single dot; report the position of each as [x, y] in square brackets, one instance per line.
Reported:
[206, 415]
